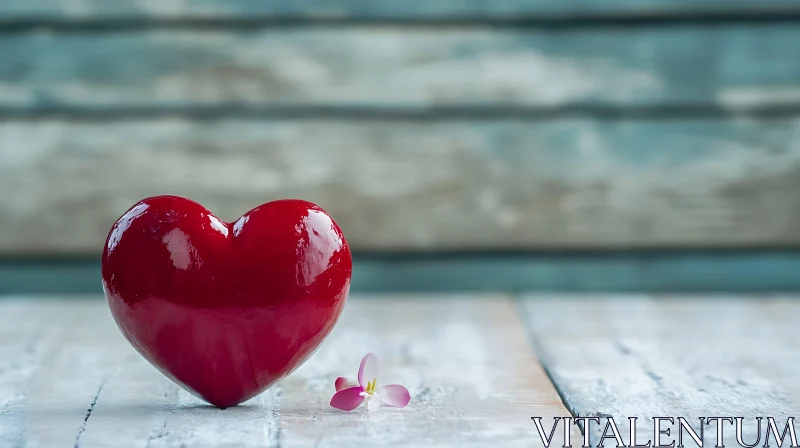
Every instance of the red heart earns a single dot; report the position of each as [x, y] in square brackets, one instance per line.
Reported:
[225, 309]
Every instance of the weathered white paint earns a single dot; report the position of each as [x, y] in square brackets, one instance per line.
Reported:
[646, 356]
[48, 360]
[416, 185]
[473, 378]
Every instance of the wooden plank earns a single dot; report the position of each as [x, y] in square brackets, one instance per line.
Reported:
[49, 373]
[407, 185]
[466, 361]
[22, 349]
[732, 66]
[646, 356]
[739, 271]
[359, 9]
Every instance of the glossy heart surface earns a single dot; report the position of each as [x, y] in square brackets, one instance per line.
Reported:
[225, 309]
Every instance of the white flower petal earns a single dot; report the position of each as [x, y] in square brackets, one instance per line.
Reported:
[373, 404]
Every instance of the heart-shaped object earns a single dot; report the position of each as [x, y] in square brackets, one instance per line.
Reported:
[225, 309]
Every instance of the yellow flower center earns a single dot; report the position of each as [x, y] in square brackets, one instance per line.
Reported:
[371, 386]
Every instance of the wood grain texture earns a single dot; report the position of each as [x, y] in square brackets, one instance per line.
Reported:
[472, 375]
[50, 356]
[399, 185]
[646, 356]
[377, 9]
[727, 66]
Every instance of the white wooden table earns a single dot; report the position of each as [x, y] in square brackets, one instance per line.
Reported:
[69, 379]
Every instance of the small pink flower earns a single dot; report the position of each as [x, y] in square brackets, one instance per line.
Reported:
[349, 394]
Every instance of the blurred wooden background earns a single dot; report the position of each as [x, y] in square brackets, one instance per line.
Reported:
[480, 145]
[419, 125]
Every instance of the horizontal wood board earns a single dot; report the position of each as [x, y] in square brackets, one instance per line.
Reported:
[420, 186]
[726, 67]
[742, 271]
